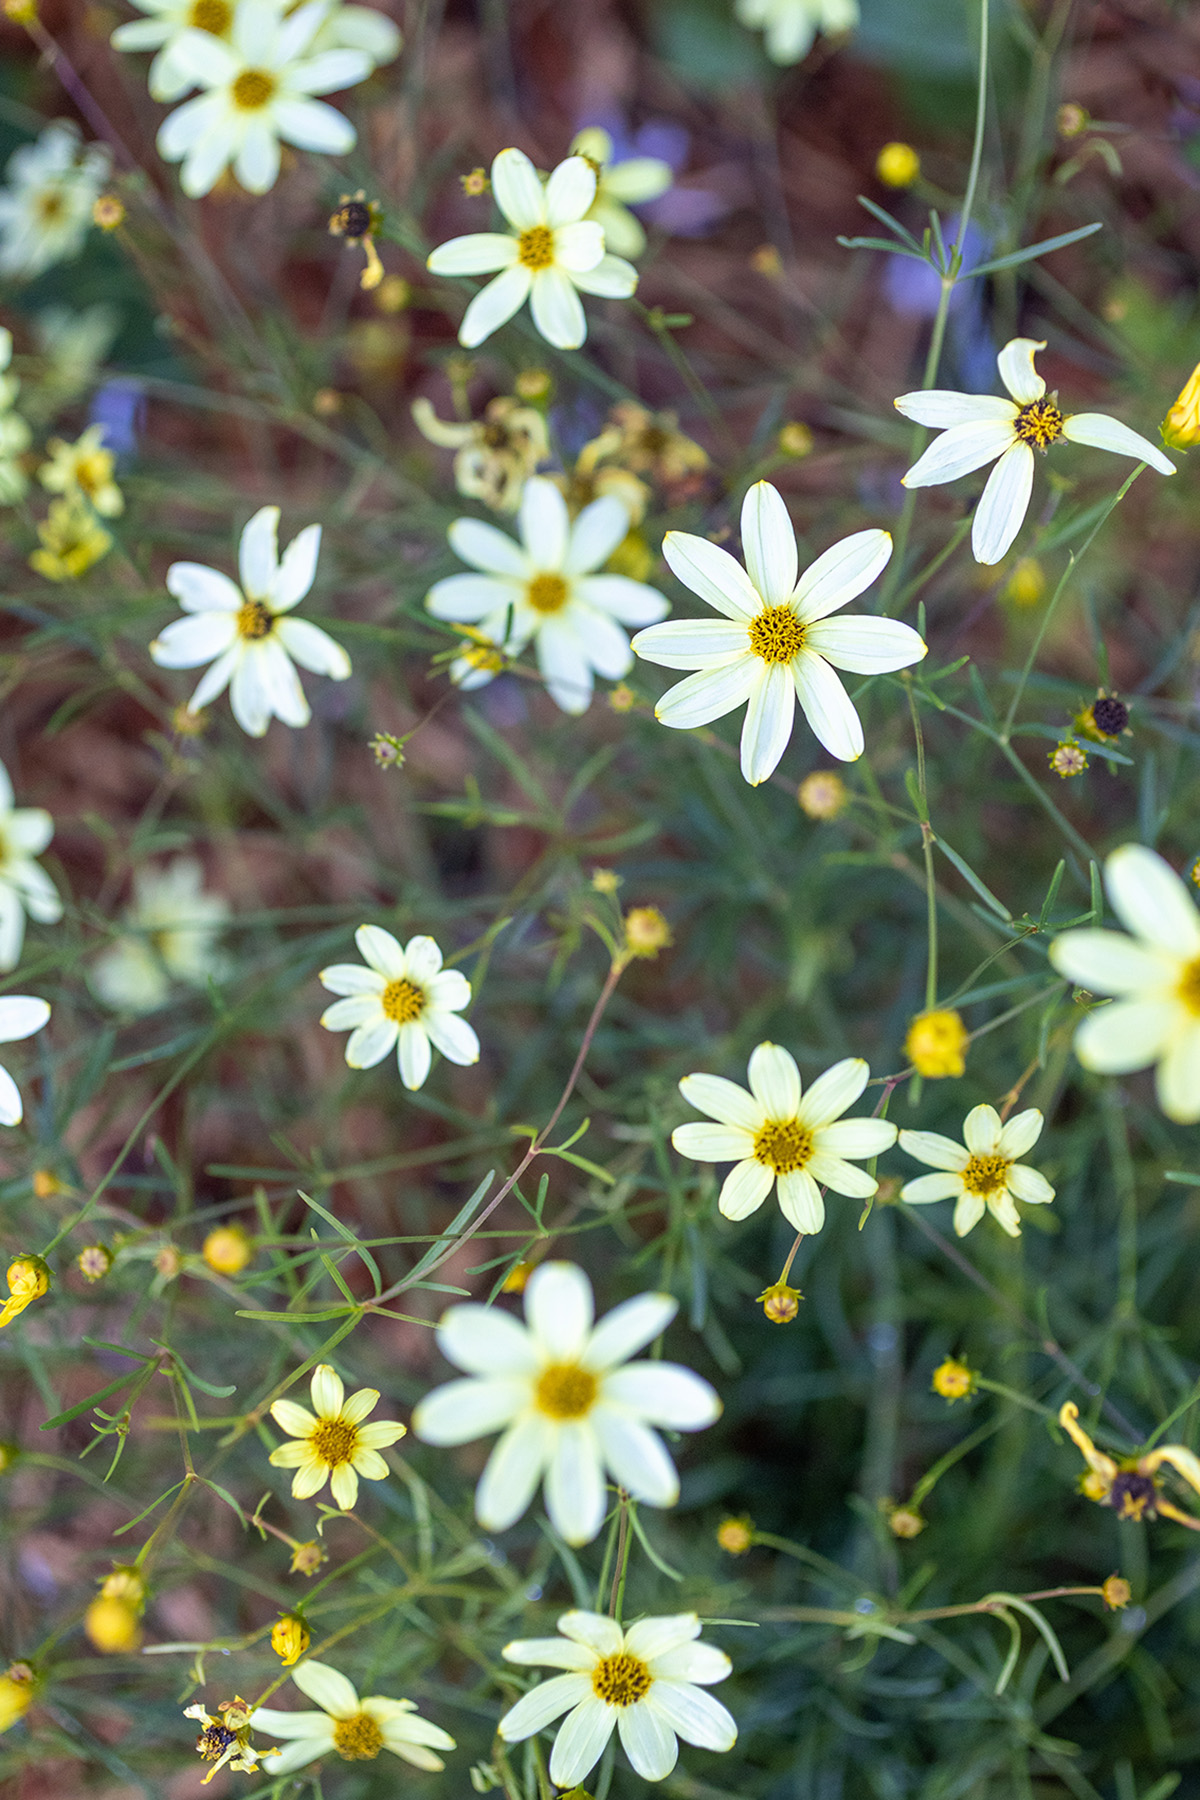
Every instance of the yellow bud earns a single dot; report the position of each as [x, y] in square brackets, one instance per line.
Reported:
[646, 931]
[1027, 583]
[622, 699]
[767, 261]
[46, 1184]
[28, 1279]
[326, 403]
[795, 439]
[822, 795]
[936, 1044]
[1071, 119]
[124, 1584]
[1067, 758]
[904, 1521]
[533, 384]
[606, 881]
[736, 1536]
[1181, 427]
[94, 1260]
[1116, 1592]
[112, 1625]
[307, 1558]
[108, 212]
[17, 1689]
[393, 294]
[897, 165]
[517, 1278]
[475, 183]
[953, 1380]
[781, 1303]
[289, 1639]
[227, 1250]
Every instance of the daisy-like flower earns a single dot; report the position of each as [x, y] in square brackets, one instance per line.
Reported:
[403, 1001]
[568, 1400]
[335, 1445]
[356, 1730]
[259, 91]
[25, 887]
[171, 936]
[15, 435]
[46, 206]
[780, 1137]
[979, 428]
[1155, 974]
[776, 642]
[1132, 1486]
[792, 25]
[20, 1017]
[247, 630]
[552, 250]
[546, 587]
[620, 185]
[343, 28]
[71, 540]
[982, 1173]
[84, 467]
[647, 1683]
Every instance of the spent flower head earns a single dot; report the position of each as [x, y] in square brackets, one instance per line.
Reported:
[403, 1000]
[334, 1445]
[224, 1736]
[1133, 1485]
[496, 454]
[983, 1172]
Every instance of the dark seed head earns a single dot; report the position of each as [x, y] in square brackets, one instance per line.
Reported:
[1111, 716]
[351, 220]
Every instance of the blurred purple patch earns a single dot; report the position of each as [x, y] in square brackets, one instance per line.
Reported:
[913, 289]
[120, 406]
[682, 211]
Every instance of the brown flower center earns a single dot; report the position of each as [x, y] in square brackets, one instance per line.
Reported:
[252, 89]
[535, 247]
[334, 1442]
[1189, 986]
[255, 620]
[213, 1742]
[215, 16]
[985, 1175]
[783, 1145]
[403, 1001]
[547, 593]
[776, 635]
[1040, 422]
[358, 1738]
[565, 1391]
[621, 1680]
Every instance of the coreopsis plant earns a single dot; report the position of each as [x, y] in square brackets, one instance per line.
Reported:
[247, 633]
[1154, 974]
[791, 26]
[46, 203]
[258, 93]
[552, 254]
[550, 589]
[646, 1682]
[20, 1016]
[356, 1730]
[332, 1443]
[169, 934]
[977, 429]
[404, 1001]
[776, 642]
[1132, 1486]
[361, 28]
[570, 1403]
[619, 185]
[982, 1172]
[84, 467]
[25, 887]
[778, 1136]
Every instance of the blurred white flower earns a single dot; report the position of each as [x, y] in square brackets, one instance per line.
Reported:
[546, 588]
[779, 1137]
[258, 91]
[568, 1400]
[342, 28]
[15, 435]
[20, 1017]
[169, 935]
[618, 186]
[354, 1729]
[46, 206]
[25, 887]
[647, 1682]
[979, 428]
[776, 642]
[792, 25]
[247, 629]
[404, 1001]
[1155, 974]
[553, 250]
[981, 1172]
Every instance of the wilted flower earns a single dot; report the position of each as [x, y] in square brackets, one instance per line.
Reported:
[1104, 719]
[72, 540]
[1132, 1487]
[289, 1638]
[224, 1738]
[496, 455]
[357, 219]
[28, 1279]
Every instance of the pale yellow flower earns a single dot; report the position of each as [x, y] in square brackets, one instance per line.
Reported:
[335, 1444]
[84, 467]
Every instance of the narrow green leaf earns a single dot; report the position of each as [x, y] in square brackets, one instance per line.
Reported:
[1031, 250]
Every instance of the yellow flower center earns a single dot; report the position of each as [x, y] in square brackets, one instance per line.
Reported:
[535, 247]
[547, 593]
[984, 1175]
[252, 89]
[255, 620]
[403, 1001]
[783, 1145]
[776, 635]
[215, 16]
[1039, 423]
[565, 1391]
[93, 472]
[621, 1680]
[1189, 986]
[358, 1738]
[50, 206]
[333, 1442]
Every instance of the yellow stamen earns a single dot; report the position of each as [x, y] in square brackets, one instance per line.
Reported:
[358, 1739]
[334, 1442]
[253, 89]
[776, 635]
[402, 1001]
[535, 247]
[985, 1175]
[547, 593]
[565, 1391]
[621, 1680]
[783, 1145]
[255, 620]
[1039, 423]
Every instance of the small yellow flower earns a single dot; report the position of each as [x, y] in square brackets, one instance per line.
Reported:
[1132, 1487]
[475, 183]
[606, 881]
[1067, 758]
[1117, 1592]
[534, 384]
[357, 219]
[289, 1638]
[904, 1520]
[227, 1250]
[46, 1184]
[736, 1536]
[767, 261]
[780, 1302]
[224, 1738]
[84, 467]
[28, 1279]
[72, 539]
[108, 212]
[936, 1045]
[1027, 583]
[822, 795]
[795, 440]
[94, 1260]
[1071, 119]
[1181, 427]
[307, 1558]
[517, 1279]
[897, 165]
[112, 1625]
[335, 1444]
[953, 1380]
[17, 1689]
[622, 699]
[646, 931]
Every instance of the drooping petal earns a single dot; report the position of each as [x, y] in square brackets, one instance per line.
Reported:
[1130, 1034]
[647, 1740]
[1015, 363]
[712, 1143]
[519, 191]
[767, 726]
[495, 305]
[841, 573]
[1003, 504]
[775, 1081]
[1103, 433]
[769, 543]
[866, 646]
[800, 1201]
[827, 707]
[708, 695]
[939, 408]
[1151, 901]
[473, 1408]
[559, 1310]
[744, 1189]
[627, 1329]
[713, 574]
[960, 451]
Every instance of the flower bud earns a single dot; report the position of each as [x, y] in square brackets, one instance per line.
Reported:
[953, 1380]
[646, 931]
[307, 1558]
[904, 1520]
[289, 1638]
[28, 1279]
[936, 1044]
[736, 1536]
[18, 1686]
[112, 1625]
[897, 165]
[227, 1250]
[781, 1303]
[94, 1260]
[1116, 1592]
[1181, 427]
[822, 795]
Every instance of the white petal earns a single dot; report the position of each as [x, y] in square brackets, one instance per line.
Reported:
[382, 951]
[959, 451]
[453, 1037]
[695, 1715]
[285, 1762]
[414, 1056]
[712, 1143]
[557, 309]
[981, 1131]
[559, 1310]
[744, 1190]
[351, 978]
[311, 125]
[769, 543]
[564, 665]
[297, 570]
[939, 408]
[841, 573]
[485, 1341]
[11, 1110]
[1003, 505]
[632, 602]
[708, 695]
[575, 1491]
[448, 991]
[627, 1329]
[775, 1081]
[713, 574]
[856, 1138]
[865, 646]
[570, 192]
[371, 1041]
[647, 1740]
[1151, 901]
[462, 1410]
[1103, 433]
[313, 1725]
[1021, 1133]
[596, 1630]
[602, 642]
[513, 1471]
[488, 549]
[200, 589]
[835, 1090]
[767, 726]
[313, 648]
[544, 1704]
[494, 306]
[800, 1202]
[276, 675]
[692, 1662]
[1029, 1186]
[1128, 1035]
[663, 1394]
[257, 554]
[611, 279]
[545, 524]
[939, 1152]
[249, 697]
[550, 1653]
[194, 639]
[722, 1100]
[1178, 1083]
[478, 253]
[1106, 962]
[518, 190]
[595, 534]
[579, 247]
[327, 1687]
[831, 1172]
[256, 164]
[1017, 372]
[580, 1741]
[328, 1392]
[635, 1457]
[658, 1636]
[693, 643]
[827, 707]
[20, 1016]
[925, 1189]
